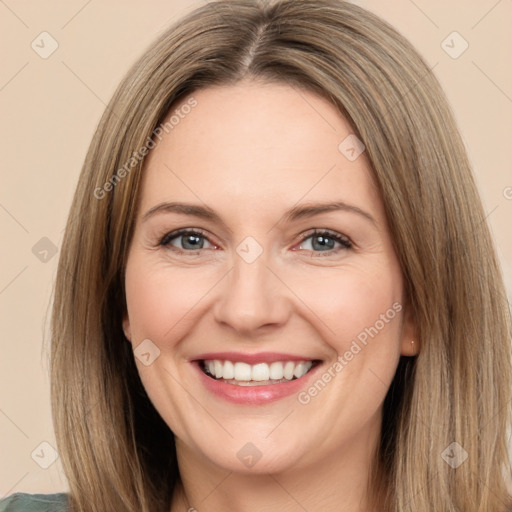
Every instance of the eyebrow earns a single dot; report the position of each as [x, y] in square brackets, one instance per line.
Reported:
[293, 214]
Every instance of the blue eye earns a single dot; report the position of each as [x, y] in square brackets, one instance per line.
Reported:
[323, 242]
[192, 240]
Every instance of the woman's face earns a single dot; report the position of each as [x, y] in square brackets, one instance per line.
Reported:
[273, 249]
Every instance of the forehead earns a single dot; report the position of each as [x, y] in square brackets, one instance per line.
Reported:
[260, 143]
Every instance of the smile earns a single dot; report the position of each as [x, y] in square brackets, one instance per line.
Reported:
[244, 374]
[254, 379]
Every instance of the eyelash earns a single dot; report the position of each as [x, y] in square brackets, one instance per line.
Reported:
[344, 241]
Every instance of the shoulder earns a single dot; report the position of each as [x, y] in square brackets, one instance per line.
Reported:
[23, 502]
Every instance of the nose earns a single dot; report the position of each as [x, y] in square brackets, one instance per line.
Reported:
[253, 298]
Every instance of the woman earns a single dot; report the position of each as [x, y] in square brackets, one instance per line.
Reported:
[277, 289]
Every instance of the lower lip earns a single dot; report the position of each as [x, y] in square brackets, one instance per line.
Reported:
[253, 395]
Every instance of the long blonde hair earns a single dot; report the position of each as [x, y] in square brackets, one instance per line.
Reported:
[117, 452]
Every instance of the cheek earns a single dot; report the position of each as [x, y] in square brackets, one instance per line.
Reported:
[358, 313]
[162, 307]
[365, 308]
[369, 339]
[163, 299]
[349, 301]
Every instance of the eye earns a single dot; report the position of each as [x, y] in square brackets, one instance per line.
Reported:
[190, 240]
[324, 241]
[193, 240]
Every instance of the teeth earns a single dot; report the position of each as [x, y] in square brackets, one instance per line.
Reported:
[276, 370]
[217, 367]
[260, 372]
[242, 371]
[300, 370]
[228, 371]
[288, 370]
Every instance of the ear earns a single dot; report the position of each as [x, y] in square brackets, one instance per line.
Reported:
[410, 342]
[126, 327]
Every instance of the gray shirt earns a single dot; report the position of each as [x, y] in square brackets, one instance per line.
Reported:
[23, 502]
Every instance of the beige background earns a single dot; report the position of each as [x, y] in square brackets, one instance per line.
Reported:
[50, 108]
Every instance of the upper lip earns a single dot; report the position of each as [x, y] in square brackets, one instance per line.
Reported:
[260, 357]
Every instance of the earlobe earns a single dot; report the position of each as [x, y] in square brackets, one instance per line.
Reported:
[126, 328]
[410, 339]
[410, 349]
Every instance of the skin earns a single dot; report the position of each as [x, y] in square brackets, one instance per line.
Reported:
[251, 152]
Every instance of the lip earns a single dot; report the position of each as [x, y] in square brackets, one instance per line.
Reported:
[254, 395]
[261, 357]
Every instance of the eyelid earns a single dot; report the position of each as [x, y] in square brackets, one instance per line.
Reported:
[340, 238]
[324, 231]
[345, 241]
[165, 240]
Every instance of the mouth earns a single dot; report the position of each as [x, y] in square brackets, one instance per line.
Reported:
[239, 373]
